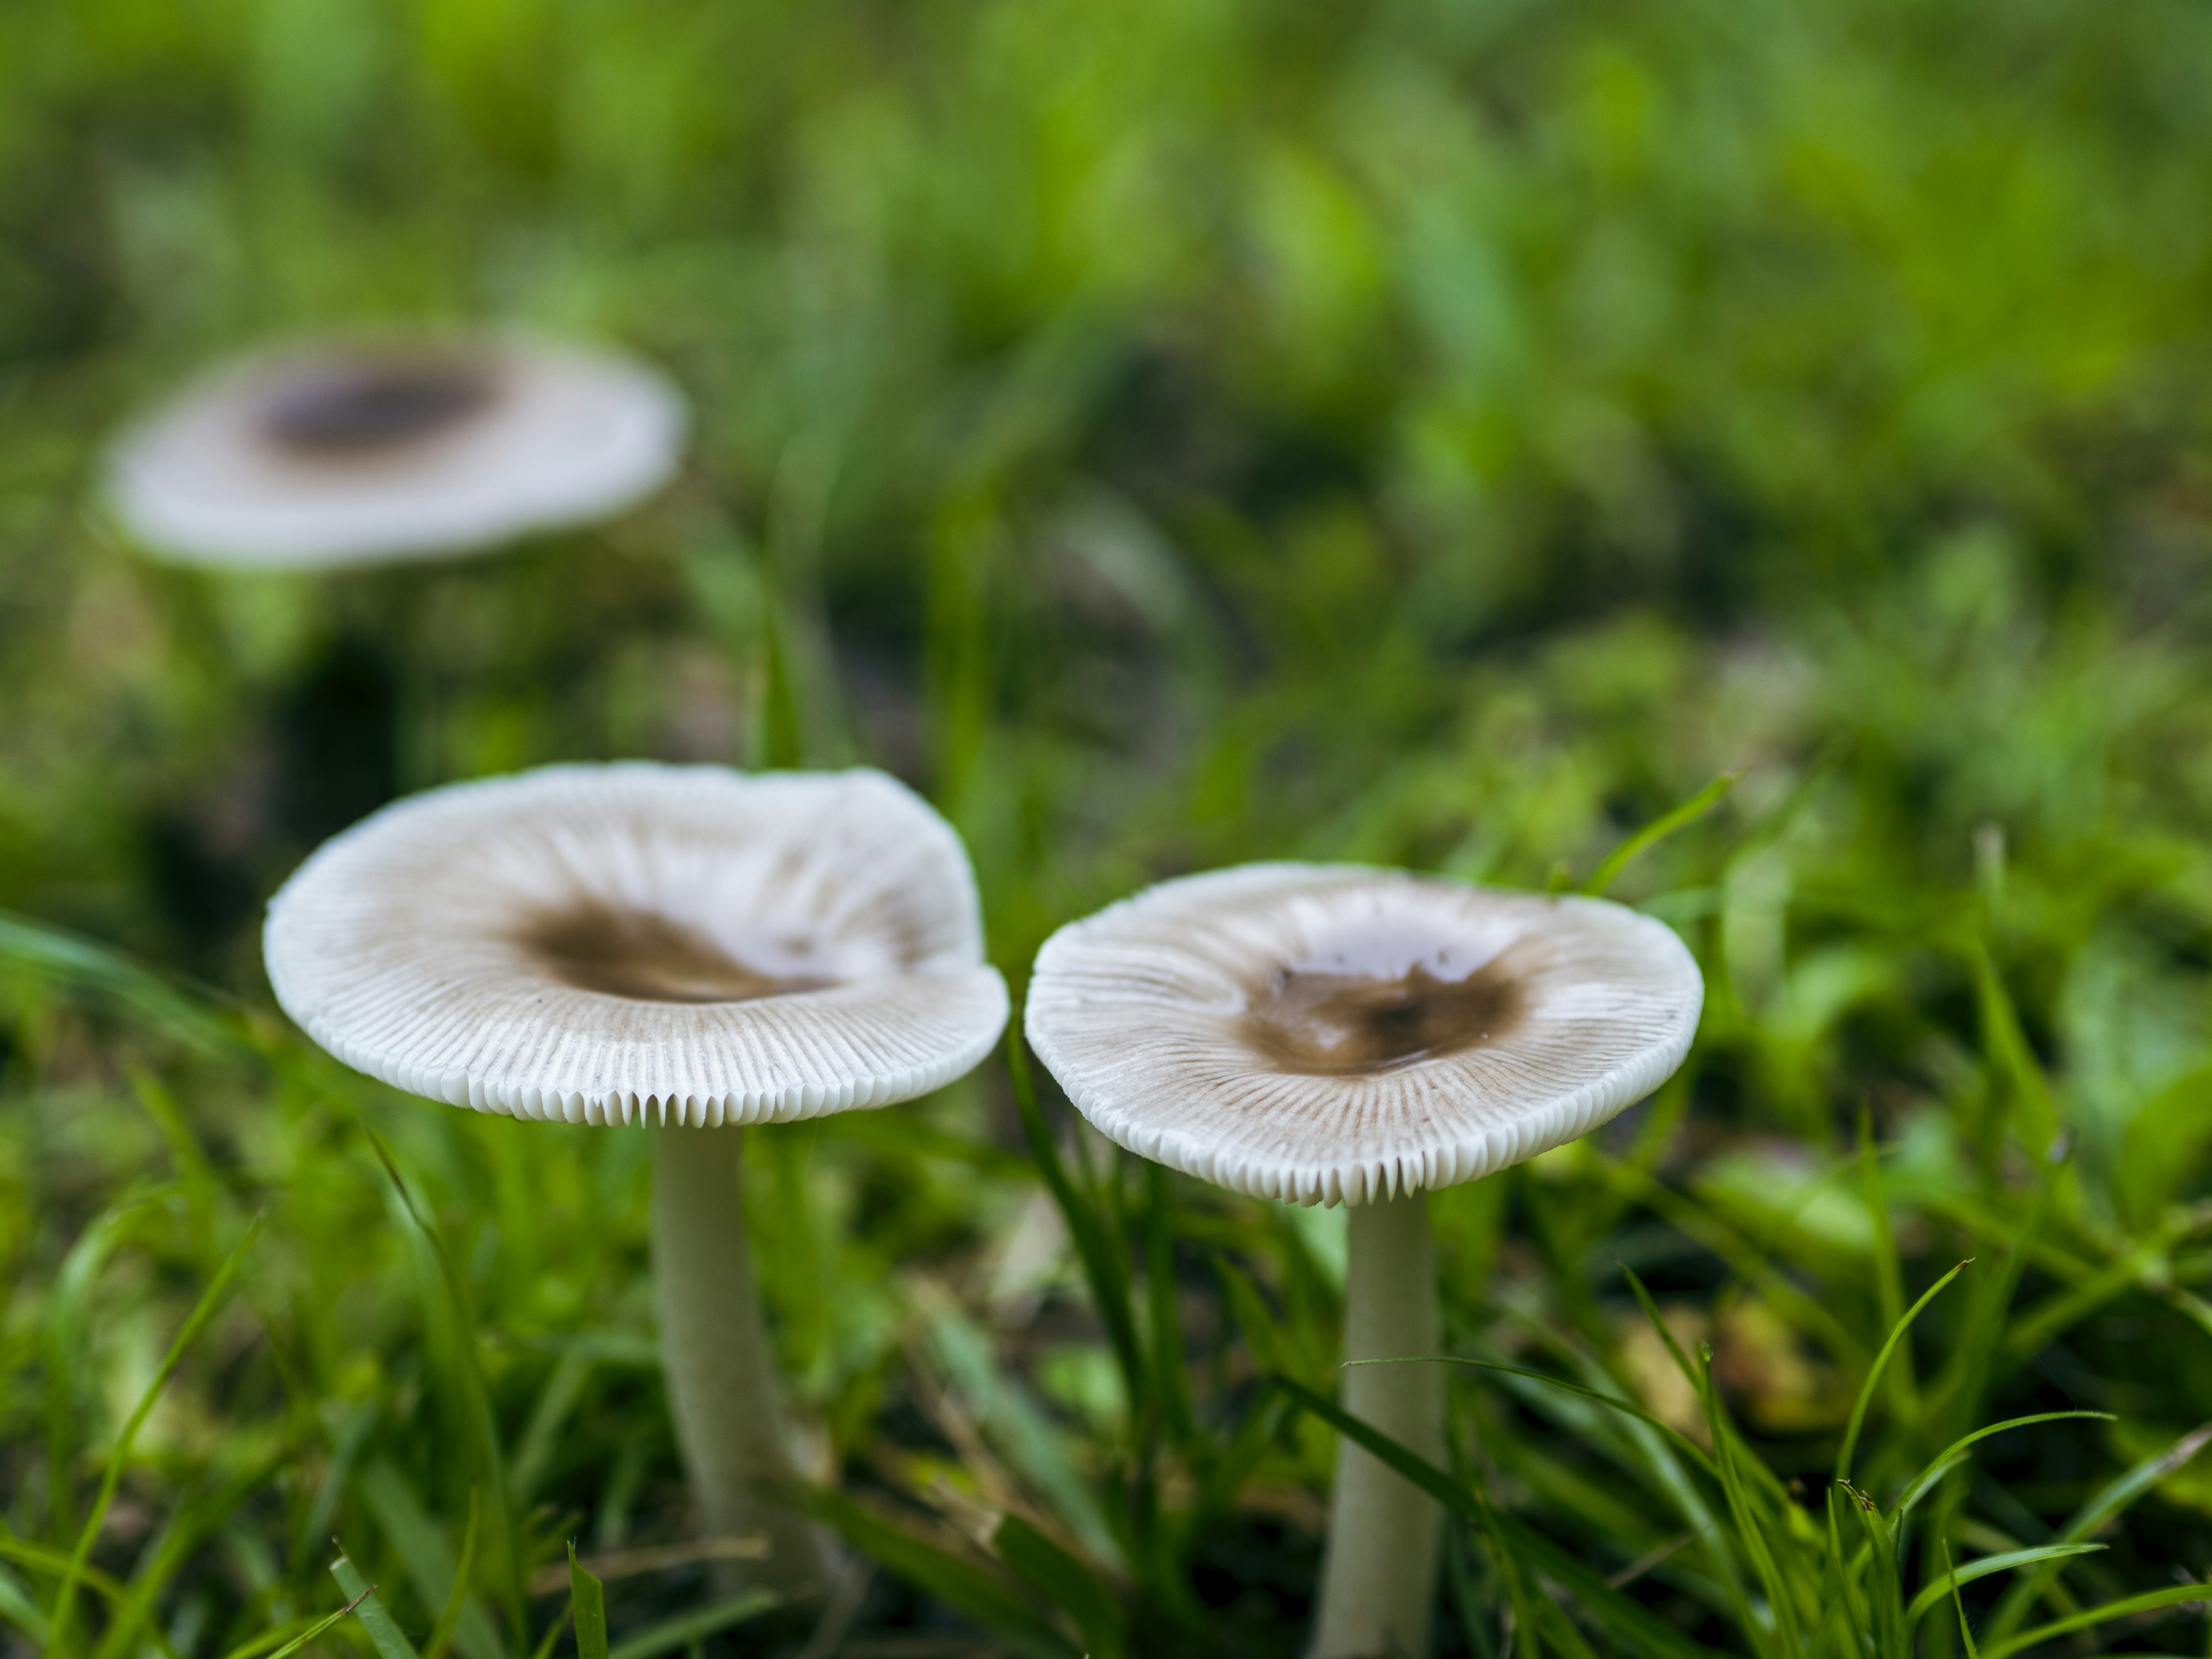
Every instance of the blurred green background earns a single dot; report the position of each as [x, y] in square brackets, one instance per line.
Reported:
[1445, 434]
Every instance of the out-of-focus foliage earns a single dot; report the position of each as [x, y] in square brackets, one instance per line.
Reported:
[1446, 435]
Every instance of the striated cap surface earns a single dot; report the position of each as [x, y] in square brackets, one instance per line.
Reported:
[603, 944]
[1335, 1033]
[341, 453]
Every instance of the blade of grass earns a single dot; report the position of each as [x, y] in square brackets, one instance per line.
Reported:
[300, 1631]
[1173, 1382]
[1657, 830]
[986, 1594]
[688, 1629]
[1065, 1583]
[491, 1466]
[2013, 1607]
[424, 1551]
[2148, 1601]
[210, 1303]
[383, 1635]
[441, 1634]
[588, 1601]
[1102, 1267]
[1874, 1374]
[1965, 1635]
[1682, 1441]
[1889, 1278]
[1628, 1619]
[1941, 1465]
[1987, 1566]
[200, 1017]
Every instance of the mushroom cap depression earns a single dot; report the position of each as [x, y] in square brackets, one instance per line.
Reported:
[602, 944]
[350, 452]
[1334, 1033]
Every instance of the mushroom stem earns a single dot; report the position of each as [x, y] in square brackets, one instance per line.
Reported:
[722, 1386]
[1379, 1574]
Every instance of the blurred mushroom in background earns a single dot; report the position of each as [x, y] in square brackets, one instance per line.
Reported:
[360, 451]
[1333, 1034]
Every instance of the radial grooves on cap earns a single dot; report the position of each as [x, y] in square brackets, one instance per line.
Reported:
[405, 946]
[1143, 1013]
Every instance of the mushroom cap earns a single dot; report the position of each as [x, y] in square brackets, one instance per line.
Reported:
[350, 452]
[635, 941]
[1335, 1033]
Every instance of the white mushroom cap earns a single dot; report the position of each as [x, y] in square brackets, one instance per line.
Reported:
[1334, 1033]
[607, 944]
[351, 451]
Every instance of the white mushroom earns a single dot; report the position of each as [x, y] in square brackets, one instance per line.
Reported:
[354, 452]
[688, 949]
[1326, 1033]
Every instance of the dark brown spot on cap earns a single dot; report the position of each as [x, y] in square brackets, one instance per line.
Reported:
[1322, 1025]
[369, 407]
[647, 957]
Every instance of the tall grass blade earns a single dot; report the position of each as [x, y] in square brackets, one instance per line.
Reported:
[491, 1464]
[210, 1303]
[1874, 1374]
[441, 1634]
[1102, 1267]
[588, 1601]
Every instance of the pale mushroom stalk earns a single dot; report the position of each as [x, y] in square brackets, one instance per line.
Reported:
[1379, 1574]
[722, 1387]
[1330, 1033]
[658, 946]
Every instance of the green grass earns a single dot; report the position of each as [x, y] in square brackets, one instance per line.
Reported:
[1450, 436]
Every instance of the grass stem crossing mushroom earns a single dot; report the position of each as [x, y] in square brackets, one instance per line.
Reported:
[1329, 1033]
[681, 949]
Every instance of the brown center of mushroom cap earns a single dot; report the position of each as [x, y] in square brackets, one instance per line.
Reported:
[364, 409]
[1325, 1024]
[645, 956]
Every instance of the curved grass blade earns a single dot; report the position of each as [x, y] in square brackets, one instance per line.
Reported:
[687, 1628]
[301, 1633]
[1657, 830]
[1682, 1441]
[2013, 1607]
[1874, 1374]
[1629, 1620]
[1925, 1480]
[1987, 1566]
[2173, 1595]
[210, 1303]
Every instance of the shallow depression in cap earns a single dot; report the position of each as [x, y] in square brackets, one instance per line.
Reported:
[644, 956]
[1321, 1023]
[368, 408]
